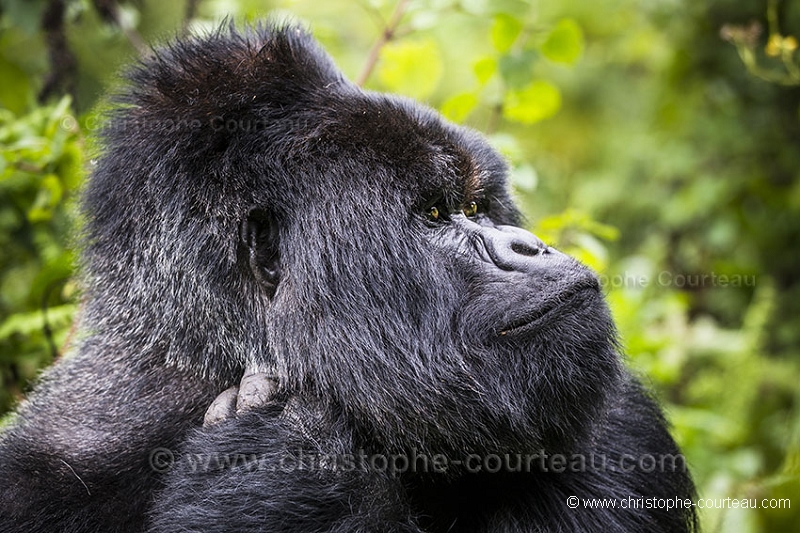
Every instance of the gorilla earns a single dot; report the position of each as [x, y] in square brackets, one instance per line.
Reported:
[310, 307]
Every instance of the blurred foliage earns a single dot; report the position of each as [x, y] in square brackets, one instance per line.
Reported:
[656, 141]
[746, 40]
[40, 167]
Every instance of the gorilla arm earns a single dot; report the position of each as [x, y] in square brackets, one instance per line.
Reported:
[268, 462]
[77, 455]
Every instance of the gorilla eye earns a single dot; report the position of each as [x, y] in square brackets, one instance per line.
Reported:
[470, 210]
[436, 210]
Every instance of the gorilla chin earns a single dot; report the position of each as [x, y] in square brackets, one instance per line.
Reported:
[540, 363]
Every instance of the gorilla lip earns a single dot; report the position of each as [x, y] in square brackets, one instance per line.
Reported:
[538, 315]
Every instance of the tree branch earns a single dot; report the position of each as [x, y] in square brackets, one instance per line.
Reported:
[389, 32]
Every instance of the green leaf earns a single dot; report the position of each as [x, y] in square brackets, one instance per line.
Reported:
[28, 323]
[49, 196]
[458, 107]
[413, 68]
[565, 43]
[517, 68]
[484, 68]
[504, 32]
[538, 101]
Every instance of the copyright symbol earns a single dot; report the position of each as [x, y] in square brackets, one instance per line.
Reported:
[573, 502]
[69, 123]
[161, 459]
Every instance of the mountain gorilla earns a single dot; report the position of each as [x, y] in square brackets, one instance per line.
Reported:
[409, 358]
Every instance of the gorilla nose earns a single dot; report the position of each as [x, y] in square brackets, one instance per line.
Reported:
[508, 247]
[512, 248]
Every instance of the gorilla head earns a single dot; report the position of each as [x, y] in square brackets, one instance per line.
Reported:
[353, 244]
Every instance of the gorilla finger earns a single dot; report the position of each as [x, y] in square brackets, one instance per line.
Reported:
[223, 407]
[256, 390]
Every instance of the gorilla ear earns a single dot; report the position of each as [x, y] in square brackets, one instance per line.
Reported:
[259, 240]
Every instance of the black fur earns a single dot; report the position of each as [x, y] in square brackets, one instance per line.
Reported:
[255, 210]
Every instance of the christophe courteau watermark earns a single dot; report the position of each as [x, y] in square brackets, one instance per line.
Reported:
[677, 503]
[163, 459]
[676, 280]
[178, 124]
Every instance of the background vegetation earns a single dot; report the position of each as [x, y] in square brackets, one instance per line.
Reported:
[657, 140]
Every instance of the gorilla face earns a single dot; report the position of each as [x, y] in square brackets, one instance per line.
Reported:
[407, 293]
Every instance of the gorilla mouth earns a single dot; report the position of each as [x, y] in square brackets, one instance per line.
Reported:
[538, 316]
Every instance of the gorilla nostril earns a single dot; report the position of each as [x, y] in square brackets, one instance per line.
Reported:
[522, 248]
